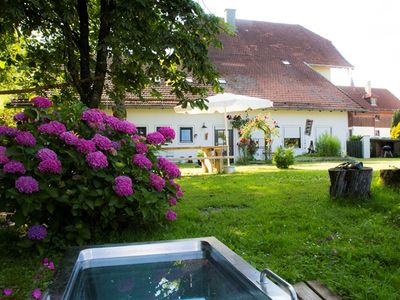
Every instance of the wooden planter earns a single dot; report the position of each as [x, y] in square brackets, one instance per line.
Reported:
[390, 177]
[350, 182]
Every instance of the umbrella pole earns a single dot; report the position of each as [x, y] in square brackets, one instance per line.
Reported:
[226, 136]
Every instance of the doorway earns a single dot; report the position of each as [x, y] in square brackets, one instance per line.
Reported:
[219, 140]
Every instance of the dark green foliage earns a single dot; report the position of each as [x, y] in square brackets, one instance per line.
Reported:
[355, 138]
[283, 158]
[328, 145]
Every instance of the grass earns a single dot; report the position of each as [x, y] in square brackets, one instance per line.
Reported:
[280, 219]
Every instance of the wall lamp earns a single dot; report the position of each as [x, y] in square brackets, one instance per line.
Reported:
[204, 126]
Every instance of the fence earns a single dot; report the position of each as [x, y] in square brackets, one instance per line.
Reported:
[354, 149]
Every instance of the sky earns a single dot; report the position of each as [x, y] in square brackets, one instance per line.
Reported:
[366, 32]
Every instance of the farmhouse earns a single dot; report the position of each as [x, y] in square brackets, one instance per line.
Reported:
[287, 64]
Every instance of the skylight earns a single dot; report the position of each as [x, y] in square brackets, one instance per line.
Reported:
[221, 81]
[285, 62]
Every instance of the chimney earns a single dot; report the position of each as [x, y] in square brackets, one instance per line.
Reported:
[368, 92]
[230, 17]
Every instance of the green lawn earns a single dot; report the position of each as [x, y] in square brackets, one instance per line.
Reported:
[280, 219]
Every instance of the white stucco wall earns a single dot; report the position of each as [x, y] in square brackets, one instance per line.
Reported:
[370, 131]
[333, 122]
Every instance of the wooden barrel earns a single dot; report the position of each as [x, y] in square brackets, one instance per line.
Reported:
[390, 177]
[347, 182]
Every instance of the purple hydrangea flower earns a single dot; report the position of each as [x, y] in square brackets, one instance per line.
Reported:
[36, 293]
[3, 156]
[112, 121]
[69, 138]
[168, 167]
[93, 115]
[52, 166]
[41, 102]
[172, 201]
[155, 138]
[136, 138]
[37, 232]
[85, 146]
[53, 127]
[123, 186]
[45, 154]
[116, 145]
[25, 138]
[179, 194]
[14, 166]
[27, 184]
[21, 116]
[9, 131]
[102, 142]
[97, 160]
[157, 182]
[170, 215]
[7, 292]
[142, 161]
[141, 148]
[167, 132]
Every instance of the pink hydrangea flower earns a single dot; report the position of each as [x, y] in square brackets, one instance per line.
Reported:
[53, 127]
[172, 201]
[141, 148]
[3, 156]
[167, 132]
[123, 186]
[52, 166]
[36, 293]
[27, 184]
[45, 154]
[69, 138]
[41, 102]
[142, 161]
[126, 127]
[102, 142]
[97, 160]
[170, 215]
[179, 194]
[155, 138]
[168, 167]
[94, 115]
[85, 146]
[9, 131]
[157, 182]
[25, 138]
[7, 292]
[14, 166]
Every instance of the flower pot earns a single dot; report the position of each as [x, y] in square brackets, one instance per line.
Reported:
[229, 169]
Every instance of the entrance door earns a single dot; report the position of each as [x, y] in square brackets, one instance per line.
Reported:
[219, 139]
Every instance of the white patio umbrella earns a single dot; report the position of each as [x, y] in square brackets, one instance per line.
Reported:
[227, 103]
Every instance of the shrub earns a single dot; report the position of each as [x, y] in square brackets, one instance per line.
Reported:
[355, 138]
[328, 145]
[395, 132]
[81, 172]
[283, 158]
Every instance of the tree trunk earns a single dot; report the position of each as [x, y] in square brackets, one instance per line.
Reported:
[350, 182]
[390, 177]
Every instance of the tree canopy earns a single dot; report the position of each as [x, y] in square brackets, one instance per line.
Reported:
[131, 44]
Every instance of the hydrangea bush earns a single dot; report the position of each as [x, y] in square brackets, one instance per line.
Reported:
[79, 172]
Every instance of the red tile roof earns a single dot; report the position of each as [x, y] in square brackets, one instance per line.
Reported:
[252, 64]
[385, 100]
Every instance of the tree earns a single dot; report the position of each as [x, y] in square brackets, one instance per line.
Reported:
[133, 44]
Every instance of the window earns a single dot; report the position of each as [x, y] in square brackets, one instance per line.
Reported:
[373, 101]
[377, 117]
[142, 131]
[377, 133]
[186, 134]
[292, 137]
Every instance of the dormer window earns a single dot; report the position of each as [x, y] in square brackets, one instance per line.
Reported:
[373, 101]
[286, 62]
[377, 117]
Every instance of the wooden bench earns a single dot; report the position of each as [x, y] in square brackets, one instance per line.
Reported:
[314, 290]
